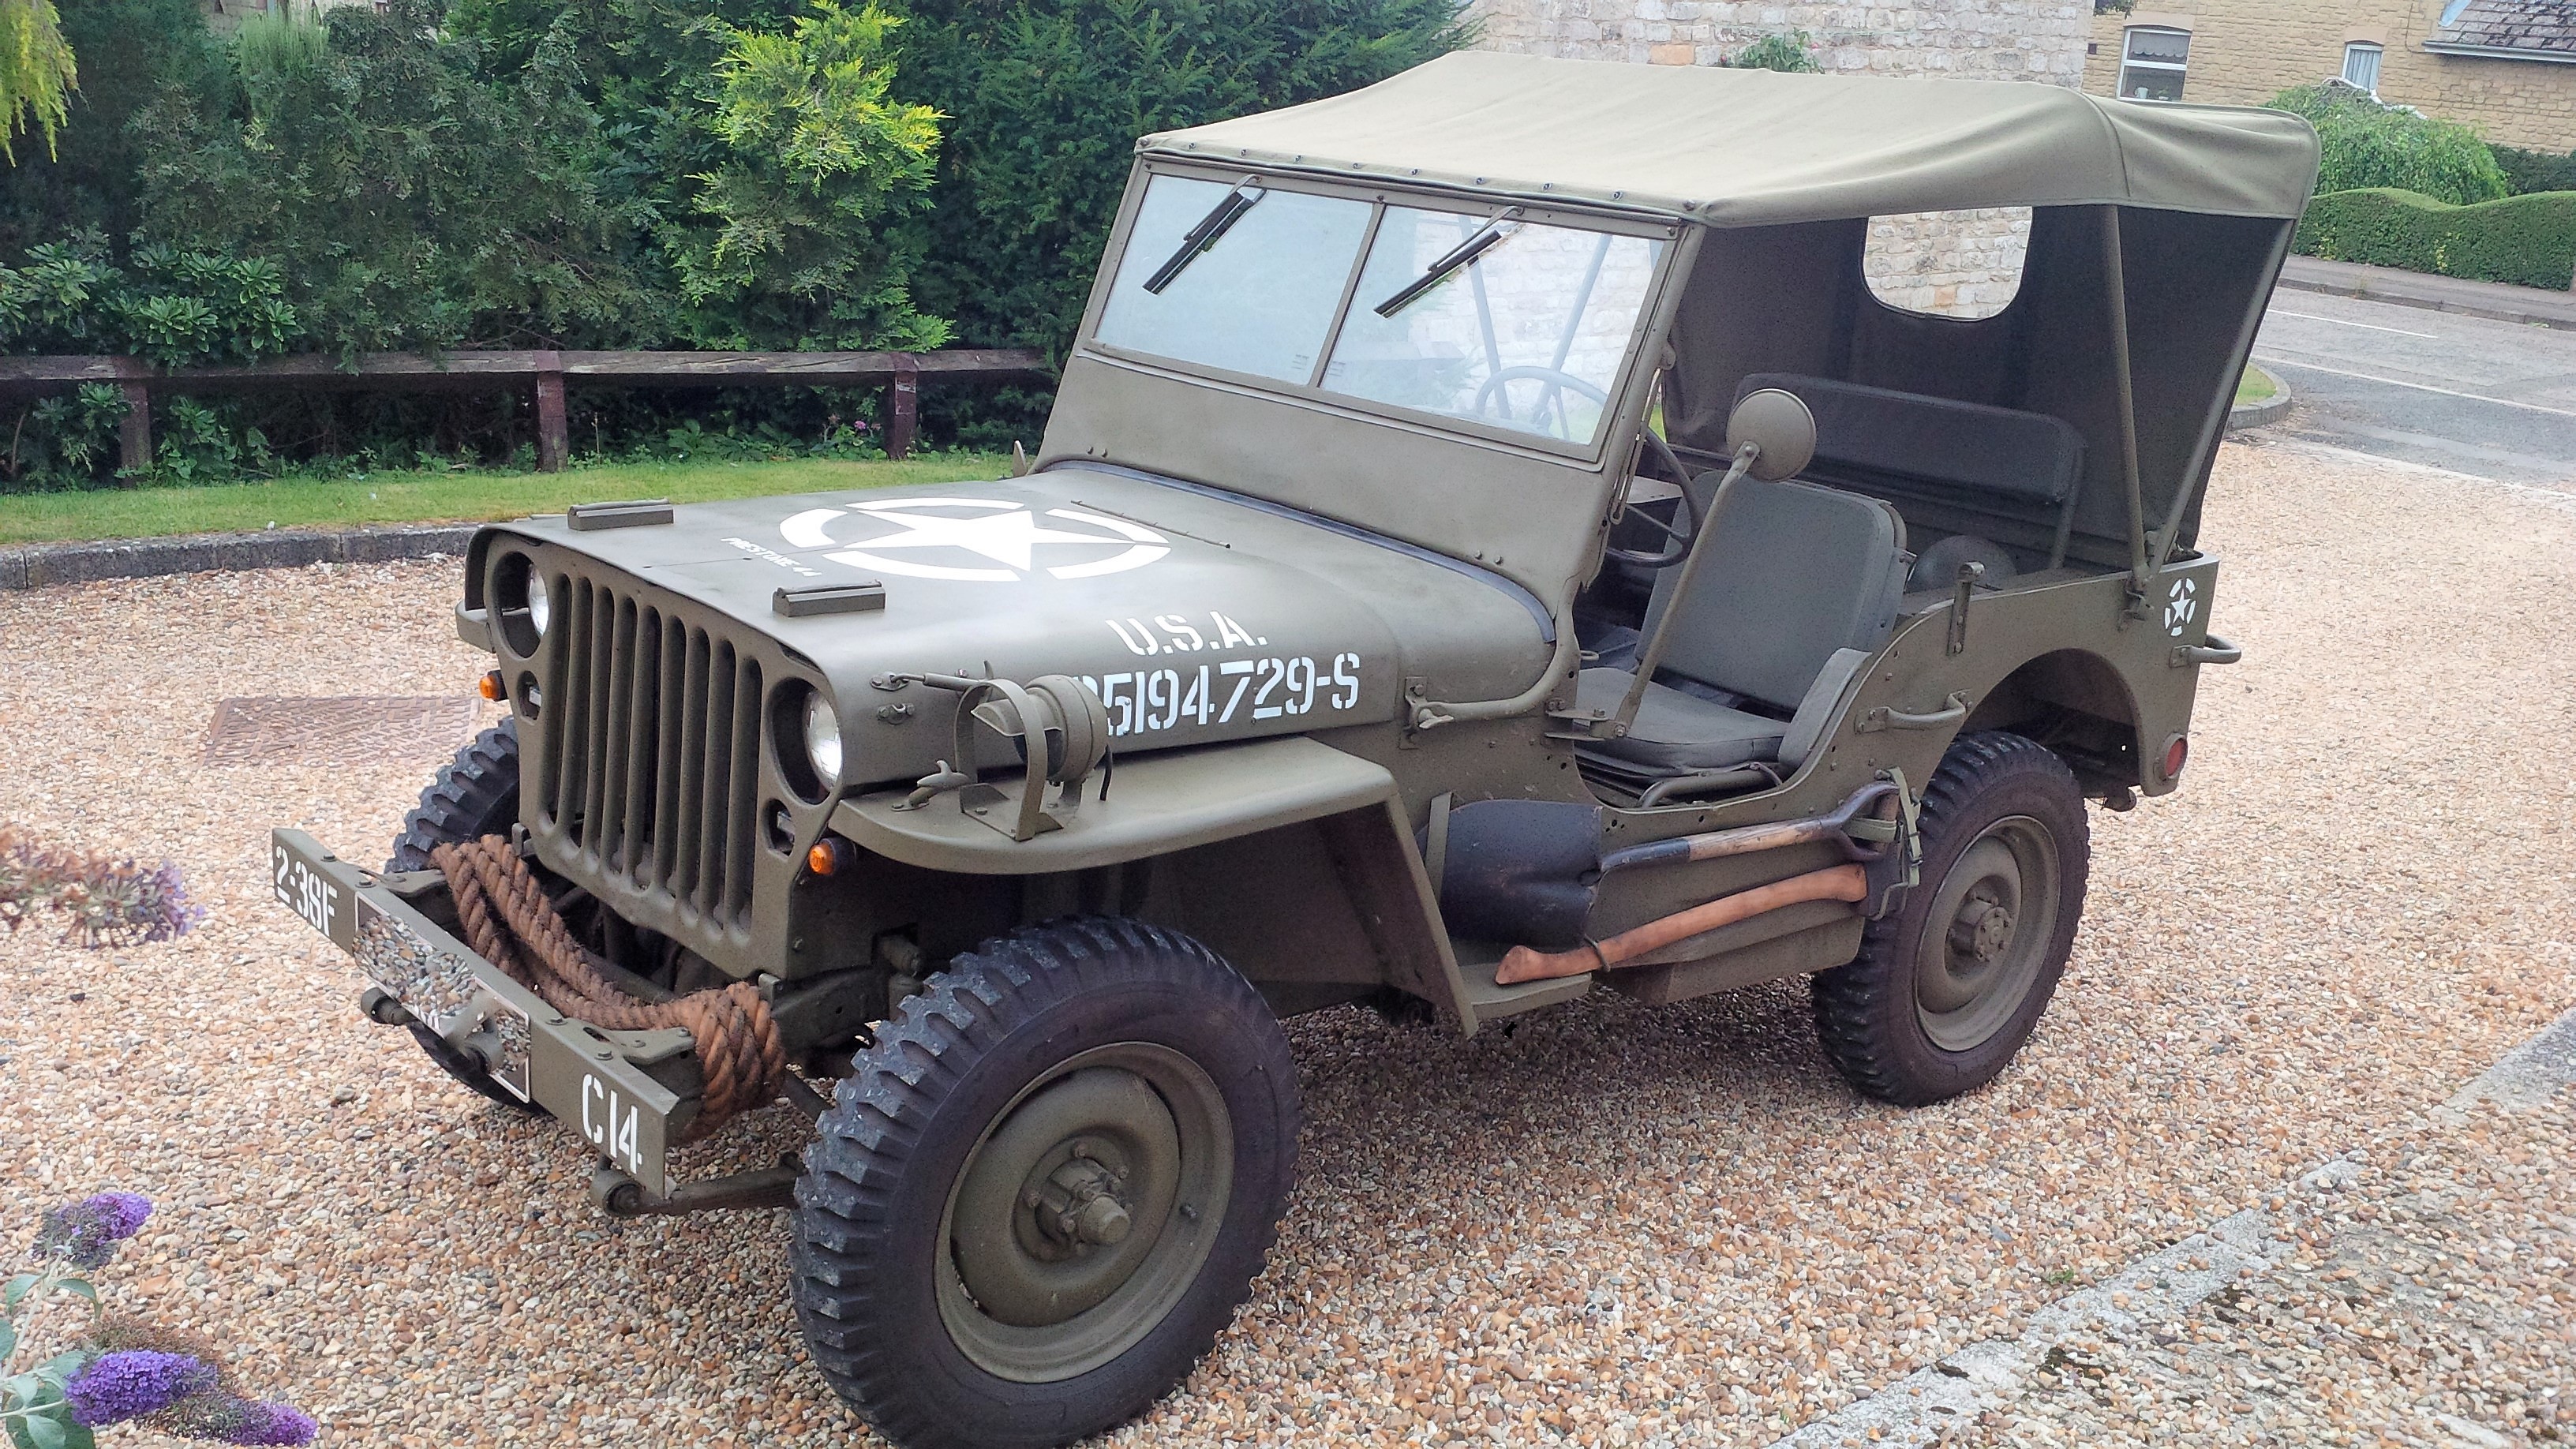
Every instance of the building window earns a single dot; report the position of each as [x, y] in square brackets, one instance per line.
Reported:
[2151, 63]
[2361, 66]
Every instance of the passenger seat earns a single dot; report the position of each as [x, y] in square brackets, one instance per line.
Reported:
[1799, 588]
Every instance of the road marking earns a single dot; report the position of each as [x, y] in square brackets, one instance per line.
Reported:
[2354, 455]
[1922, 1408]
[2339, 322]
[2423, 387]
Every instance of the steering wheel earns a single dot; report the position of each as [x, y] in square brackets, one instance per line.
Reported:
[1680, 537]
[1557, 380]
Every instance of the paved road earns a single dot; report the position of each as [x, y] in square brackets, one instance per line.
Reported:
[2494, 399]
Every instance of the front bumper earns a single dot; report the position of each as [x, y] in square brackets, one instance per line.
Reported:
[598, 1082]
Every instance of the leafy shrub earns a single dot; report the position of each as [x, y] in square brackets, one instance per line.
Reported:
[2367, 144]
[36, 72]
[605, 173]
[2526, 240]
[820, 168]
[2533, 171]
[1791, 51]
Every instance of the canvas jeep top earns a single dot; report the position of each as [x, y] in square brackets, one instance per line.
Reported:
[1490, 544]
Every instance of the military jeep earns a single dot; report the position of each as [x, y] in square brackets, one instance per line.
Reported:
[1491, 544]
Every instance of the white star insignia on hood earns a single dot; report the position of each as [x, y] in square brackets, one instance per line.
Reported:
[1005, 533]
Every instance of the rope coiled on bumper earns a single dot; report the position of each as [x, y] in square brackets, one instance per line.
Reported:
[506, 918]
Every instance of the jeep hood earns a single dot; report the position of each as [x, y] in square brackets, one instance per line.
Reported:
[1196, 614]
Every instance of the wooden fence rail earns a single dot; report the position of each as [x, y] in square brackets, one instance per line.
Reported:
[546, 373]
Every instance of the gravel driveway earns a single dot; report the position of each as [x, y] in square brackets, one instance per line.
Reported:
[1613, 1224]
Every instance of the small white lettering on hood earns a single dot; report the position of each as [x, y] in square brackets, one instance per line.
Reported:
[780, 559]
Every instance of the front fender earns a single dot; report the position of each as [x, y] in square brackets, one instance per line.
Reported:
[1146, 806]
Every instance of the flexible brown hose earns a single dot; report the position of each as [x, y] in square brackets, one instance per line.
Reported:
[1838, 883]
[508, 921]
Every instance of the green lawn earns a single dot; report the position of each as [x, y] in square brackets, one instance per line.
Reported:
[2255, 386]
[441, 497]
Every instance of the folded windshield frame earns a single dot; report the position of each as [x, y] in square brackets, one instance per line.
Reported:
[1482, 210]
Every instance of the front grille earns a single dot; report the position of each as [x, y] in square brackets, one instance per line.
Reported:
[652, 753]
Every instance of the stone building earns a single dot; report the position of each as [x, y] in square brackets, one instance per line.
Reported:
[2507, 67]
[2033, 40]
[227, 15]
[1965, 264]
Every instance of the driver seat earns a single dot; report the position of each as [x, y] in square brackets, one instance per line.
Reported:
[1800, 587]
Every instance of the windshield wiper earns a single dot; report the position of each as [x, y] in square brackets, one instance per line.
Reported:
[1487, 237]
[1212, 227]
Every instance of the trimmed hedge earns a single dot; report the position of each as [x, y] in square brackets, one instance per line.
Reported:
[2532, 171]
[2526, 240]
[2363, 143]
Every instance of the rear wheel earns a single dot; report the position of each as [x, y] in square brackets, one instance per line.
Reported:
[473, 795]
[1045, 1189]
[1948, 986]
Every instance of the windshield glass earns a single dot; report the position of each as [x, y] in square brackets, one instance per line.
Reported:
[1486, 317]
[1258, 299]
[1527, 335]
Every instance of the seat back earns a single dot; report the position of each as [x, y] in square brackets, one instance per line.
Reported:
[1871, 436]
[1793, 573]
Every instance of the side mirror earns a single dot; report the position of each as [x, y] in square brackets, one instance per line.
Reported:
[1781, 430]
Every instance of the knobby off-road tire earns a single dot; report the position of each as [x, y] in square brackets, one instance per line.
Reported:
[473, 795]
[1948, 986]
[949, 1285]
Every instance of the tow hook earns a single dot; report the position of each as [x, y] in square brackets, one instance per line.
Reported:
[621, 1196]
[379, 1006]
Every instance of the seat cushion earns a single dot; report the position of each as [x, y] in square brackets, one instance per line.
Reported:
[1675, 733]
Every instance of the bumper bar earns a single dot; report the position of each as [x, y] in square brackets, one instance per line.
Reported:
[592, 1080]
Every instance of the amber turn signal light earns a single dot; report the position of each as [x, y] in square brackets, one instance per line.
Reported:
[489, 686]
[826, 856]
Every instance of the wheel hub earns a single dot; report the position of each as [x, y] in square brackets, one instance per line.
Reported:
[1080, 1205]
[1046, 1223]
[1983, 928]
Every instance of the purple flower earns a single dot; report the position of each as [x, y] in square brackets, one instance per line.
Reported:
[129, 1384]
[231, 1419]
[120, 1214]
[76, 1235]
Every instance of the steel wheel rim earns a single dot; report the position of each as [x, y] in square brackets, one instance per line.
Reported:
[1134, 1124]
[1986, 934]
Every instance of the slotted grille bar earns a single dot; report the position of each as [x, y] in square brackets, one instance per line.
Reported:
[652, 753]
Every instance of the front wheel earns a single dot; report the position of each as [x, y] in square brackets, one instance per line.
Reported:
[1948, 985]
[473, 795]
[1042, 1193]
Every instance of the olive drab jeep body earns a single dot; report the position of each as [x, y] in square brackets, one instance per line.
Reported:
[1490, 545]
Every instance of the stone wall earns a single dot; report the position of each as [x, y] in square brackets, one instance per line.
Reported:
[2243, 52]
[1964, 264]
[2041, 40]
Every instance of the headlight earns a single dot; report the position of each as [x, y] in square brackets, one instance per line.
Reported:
[541, 605]
[822, 737]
